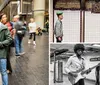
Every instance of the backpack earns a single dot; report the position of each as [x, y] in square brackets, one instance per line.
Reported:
[21, 31]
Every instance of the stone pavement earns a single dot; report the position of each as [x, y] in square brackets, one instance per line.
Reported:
[31, 68]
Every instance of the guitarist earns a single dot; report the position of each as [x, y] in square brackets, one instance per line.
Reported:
[76, 63]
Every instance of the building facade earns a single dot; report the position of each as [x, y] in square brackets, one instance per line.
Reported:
[39, 9]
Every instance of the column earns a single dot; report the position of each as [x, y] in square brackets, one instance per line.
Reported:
[51, 21]
[39, 5]
[18, 4]
[82, 25]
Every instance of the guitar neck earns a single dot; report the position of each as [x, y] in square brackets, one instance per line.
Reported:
[84, 72]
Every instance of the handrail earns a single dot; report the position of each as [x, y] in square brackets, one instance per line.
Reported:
[5, 3]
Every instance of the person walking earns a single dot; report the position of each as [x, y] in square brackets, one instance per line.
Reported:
[5, 41]
[18, 38]
[10, 28]
[58, 30]
[47, 25]
[32, 31]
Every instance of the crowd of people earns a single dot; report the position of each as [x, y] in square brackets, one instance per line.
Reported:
[11, 35]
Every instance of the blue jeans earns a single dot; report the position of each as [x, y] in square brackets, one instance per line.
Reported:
[3, 71]
[18, 44]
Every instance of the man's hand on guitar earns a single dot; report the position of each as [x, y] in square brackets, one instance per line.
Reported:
[73, 74]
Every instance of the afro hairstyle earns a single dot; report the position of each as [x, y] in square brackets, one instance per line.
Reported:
[79, 46]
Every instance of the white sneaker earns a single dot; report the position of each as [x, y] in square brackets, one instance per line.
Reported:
[29, 42]
[34, 43]
[22, 53]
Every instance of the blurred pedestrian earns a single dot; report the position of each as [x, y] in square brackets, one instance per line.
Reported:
[10, 28]
[58, 30]
[18, 37]
[25, 23]
[47, 25]
[32, 31]
[5, 41]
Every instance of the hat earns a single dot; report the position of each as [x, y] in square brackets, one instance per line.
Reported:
[59, 13]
